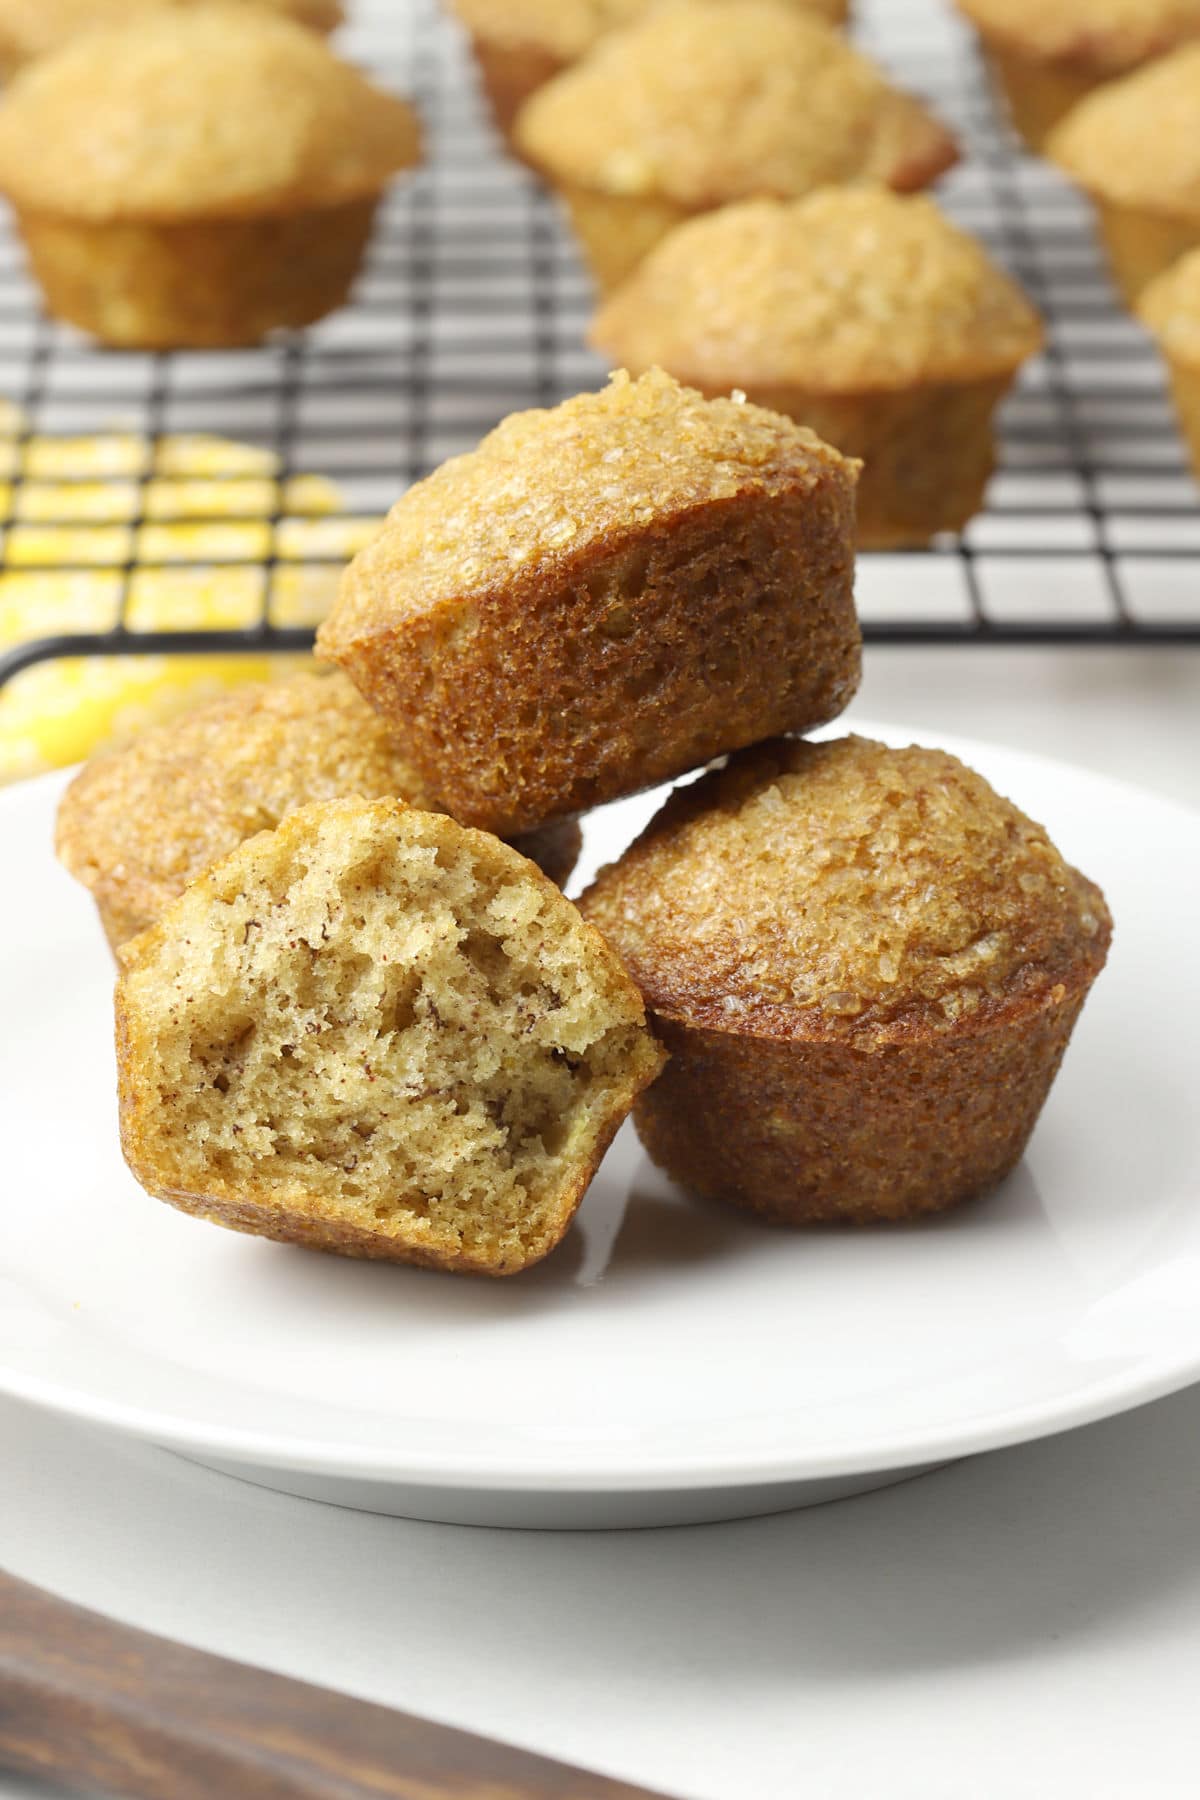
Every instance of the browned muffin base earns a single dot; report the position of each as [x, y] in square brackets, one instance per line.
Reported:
[206, 285]
[1141, 244]
[689, 639]
[615, 232]
[510, 74]
[1185, 391]
[807, 1132]
[928, 452]
[1038, 94]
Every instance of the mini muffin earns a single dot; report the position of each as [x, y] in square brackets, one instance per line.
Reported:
[860, 313]
[375, 1032]
[137, 824]
[704, 103]
[1170, 307]
[521, 44]
[602, 596]
[1134, 146]
[31, 28]
[866, 966]
[1048, 54]
[199, 177]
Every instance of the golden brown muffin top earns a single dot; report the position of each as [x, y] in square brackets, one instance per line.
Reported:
[1110, 35]
[703, 102]
[847, 290]
[839, 888]
[138, 823]
[218, 111]
[30, 28]
[1136, 142]
[557, 483]
[567, 29]
[1170, 306]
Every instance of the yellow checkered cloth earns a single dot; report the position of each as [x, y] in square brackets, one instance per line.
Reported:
[181, 502]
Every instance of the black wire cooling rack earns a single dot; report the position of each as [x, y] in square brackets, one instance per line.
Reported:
[473, 304]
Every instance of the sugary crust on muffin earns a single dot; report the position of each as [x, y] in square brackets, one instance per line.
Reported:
[549, 487]
[567, 29]
[847, 890]
[847, 290]
[703, 102]
[226, 111]
[1136, 142]
[137, 824]
[1107, 36]
[375, 1032]
[1170, 307]
[30, 28]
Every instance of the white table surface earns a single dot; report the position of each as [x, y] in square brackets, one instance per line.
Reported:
[1027, 1623]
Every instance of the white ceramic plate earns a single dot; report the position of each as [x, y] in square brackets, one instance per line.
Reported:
[672, 1361]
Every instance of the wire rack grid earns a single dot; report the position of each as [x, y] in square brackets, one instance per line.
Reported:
[473, 303]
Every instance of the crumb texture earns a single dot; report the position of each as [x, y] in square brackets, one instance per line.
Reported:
[549, 486]
[1136, 142]
[376, 1032]
[567, 29]
[846, 290]
[31, 28]
[138, 823]
[1170, 307]
[845, 888]
[1103, 35]
[704, 102]
[222, 111]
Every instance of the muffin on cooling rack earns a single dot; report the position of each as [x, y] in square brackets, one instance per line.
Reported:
[198, 177]
[605, 595]
[375, 1032]
[1170, 307]
[1047, 54]
[703, 103]
[30, 28]
[137, 824]
[862, 314]
[521, 44]
[866, 966]
[1134, 147]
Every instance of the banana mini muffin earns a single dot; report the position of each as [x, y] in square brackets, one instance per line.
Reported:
[1170, 307]
[521, 44]
[866, 966]
[137, 824]
[858, 312]
[198, 177]
[1048, 54]
[704, 103]
[31, 28]
[1134, 146]
[375, 1032]
[602, 596]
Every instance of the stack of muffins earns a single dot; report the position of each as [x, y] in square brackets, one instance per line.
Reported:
[832, 981]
